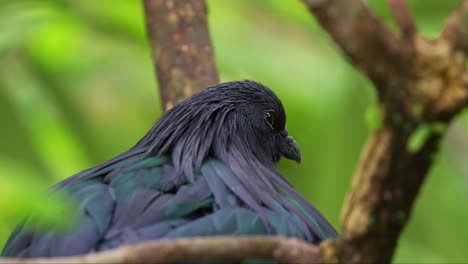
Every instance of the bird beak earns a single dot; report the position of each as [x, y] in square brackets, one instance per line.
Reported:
[292, 150]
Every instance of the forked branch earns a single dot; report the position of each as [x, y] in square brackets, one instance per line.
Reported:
[364, 38]
[455, 31]
[420, 85]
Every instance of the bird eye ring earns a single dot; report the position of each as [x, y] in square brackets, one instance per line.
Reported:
[270, 118]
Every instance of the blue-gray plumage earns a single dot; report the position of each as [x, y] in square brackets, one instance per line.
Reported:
[207, 167]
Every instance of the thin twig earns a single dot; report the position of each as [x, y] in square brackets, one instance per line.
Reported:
[403, 18]
[455, 31]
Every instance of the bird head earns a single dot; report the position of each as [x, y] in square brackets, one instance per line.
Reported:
[241, 118]
[259, 121]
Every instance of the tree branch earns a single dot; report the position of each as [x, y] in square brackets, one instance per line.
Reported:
[181, 48]
[385, 185]
[421, 86]
[455, 31]
[232, 248]
[403, 18]
[367, 41]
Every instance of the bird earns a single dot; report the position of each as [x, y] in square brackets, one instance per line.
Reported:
[207, 167]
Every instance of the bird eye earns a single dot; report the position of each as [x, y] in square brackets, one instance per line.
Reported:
[270, 118]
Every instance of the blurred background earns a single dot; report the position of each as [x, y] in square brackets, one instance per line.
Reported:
[77, 87]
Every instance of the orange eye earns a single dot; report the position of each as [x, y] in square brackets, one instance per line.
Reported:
[270, 118]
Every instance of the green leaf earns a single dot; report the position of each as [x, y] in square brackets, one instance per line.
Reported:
[374, 118]
[418, 138]
[422, 133]
[22, 195]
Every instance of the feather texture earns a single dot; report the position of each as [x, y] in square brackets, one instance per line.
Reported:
[206, 168]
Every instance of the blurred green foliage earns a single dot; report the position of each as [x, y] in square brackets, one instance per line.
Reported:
[77, 87]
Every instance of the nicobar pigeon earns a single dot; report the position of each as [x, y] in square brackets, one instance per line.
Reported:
[206, 168]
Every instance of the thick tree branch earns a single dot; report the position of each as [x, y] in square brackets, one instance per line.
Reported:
[368, 42]
[385, 184]
[403, 18]
[421, 86]
[232, 248]
[455, 31]
[181, 46]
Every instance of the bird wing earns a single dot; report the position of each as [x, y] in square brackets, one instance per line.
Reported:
[140, 197]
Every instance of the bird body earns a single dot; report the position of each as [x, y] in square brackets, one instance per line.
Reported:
[206, 168]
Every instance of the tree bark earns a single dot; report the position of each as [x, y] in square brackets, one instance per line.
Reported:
[421, 86]
[181, 48]
[232, 248]
[456, 28]
[403, 18]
